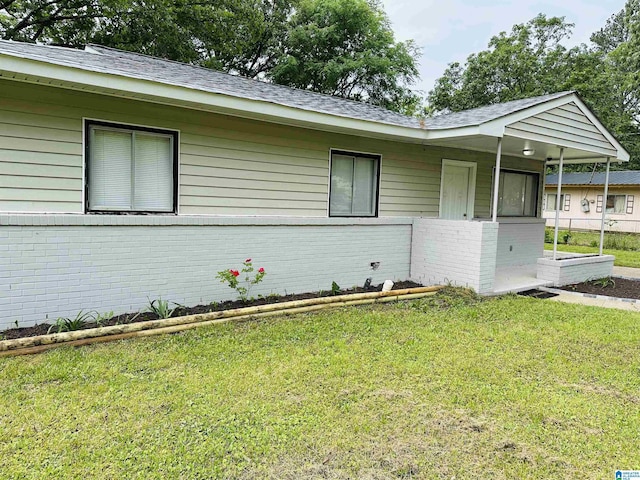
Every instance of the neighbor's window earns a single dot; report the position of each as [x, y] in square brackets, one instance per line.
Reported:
[130, 169]
[550, 203]
[354, 185]
[616, 203]
[518, 194]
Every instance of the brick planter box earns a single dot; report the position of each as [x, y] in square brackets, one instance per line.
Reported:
[565, 271]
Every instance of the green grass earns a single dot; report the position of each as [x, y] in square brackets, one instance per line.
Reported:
[624, 258]
[505, 388]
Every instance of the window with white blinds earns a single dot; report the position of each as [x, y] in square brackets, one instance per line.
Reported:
[130, 169]
[354, 185]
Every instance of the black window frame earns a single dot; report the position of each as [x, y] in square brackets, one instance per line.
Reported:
[536, 175]
[361, 155]
[123, 126]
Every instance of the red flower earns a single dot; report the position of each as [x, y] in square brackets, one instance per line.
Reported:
[248, 260]
[235, 273]
[261, 270]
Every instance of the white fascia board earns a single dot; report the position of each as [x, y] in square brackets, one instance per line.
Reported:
[168, 94]
[452, 133]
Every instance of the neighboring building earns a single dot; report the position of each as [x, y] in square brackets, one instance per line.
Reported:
[582, 201]
[125, 177]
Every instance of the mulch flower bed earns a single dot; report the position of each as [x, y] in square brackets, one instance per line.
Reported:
[143, 316]
[611, 287]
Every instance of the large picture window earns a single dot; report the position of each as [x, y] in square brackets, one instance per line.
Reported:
[518, 194]
[354, 185]
[130, 169]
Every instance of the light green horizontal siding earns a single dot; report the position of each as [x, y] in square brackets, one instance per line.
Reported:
[228, 166]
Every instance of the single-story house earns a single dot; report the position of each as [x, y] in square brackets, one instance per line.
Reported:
[126, 178]
[582, 201]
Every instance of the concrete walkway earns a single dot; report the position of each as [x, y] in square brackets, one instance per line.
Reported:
[627, 272]
[570, 297]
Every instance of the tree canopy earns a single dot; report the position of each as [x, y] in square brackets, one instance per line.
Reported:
[341, 47]
[532, 60]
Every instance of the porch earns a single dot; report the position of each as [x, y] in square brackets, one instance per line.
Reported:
[505, 252]
[494, 258]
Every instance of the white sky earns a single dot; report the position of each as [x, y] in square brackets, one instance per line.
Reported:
[450, 30]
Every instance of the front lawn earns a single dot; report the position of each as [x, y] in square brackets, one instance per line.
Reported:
[506, 388]
[624, 258]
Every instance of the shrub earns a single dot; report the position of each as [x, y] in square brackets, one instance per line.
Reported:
[161, 308]
[63, 324]
[242, 286]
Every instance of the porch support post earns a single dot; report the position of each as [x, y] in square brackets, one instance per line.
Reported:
[559, 191]
[604, 205]
[496, 181]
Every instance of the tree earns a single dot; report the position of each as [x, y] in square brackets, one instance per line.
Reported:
[531, 61]
[347, 48]
[341, 47]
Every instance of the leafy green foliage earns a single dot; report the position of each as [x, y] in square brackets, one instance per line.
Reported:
[532, 60]
[604, 282]
[64, 324]
[347, 48]
[335, 288]
[102, 317]
[341, 47]
[161, 308]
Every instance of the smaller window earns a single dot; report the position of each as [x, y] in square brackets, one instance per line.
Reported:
[130, 169]
[616, 203]
[354, 185]
[518, 194]
[550, 204]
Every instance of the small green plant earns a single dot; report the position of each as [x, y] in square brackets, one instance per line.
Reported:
[161, 308]
[64, 324]
[231, 278]
[16, 323]
[604, 282]
[103, 317]
[566, 238]
[335, 288]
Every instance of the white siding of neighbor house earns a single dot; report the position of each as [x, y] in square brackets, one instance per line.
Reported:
[575, 218]
[566, 126]
[228, 165]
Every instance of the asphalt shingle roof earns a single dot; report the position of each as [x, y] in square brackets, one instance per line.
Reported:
[623, 177]
[480, 115]
[111, 61]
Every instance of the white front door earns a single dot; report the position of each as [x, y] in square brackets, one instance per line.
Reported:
[457, 190]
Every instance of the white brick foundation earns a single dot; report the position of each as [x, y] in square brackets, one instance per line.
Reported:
[118, 262]
[574, 270]
[458, 252]
[520, 242]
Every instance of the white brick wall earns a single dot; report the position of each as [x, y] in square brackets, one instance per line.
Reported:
[520, 242]
[59, 269]
[574, 270]
[457, 252]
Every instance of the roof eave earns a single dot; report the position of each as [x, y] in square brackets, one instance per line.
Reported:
[33, 71]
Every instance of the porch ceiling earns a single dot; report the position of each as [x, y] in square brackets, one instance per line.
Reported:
[513, 146]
